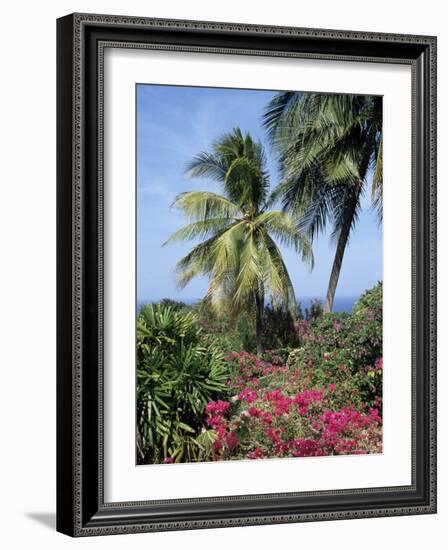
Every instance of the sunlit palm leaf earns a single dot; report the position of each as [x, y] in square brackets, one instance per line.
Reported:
[326, 144]
[238, 255]
[203, 205]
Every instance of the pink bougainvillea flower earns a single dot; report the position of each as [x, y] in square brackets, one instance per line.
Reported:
[232, 440]
[254, 412]
[337, 326]
[215, 421]
[266, 418]
[217, 407]
[306, 447]
[255, 454]
[273, 434]
[248, 395]
[282, 406]
[274, 395]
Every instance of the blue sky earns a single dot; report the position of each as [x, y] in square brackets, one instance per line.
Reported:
[173, 124]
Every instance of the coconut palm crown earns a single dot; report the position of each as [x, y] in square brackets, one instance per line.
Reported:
[327, 144]
[238, 252]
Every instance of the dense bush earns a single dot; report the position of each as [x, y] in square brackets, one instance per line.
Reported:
[325, 399]
[238, 334]
[276, 412]
[278, 328]
[229, 334]
[345, 348]
[371, 303]
[178, 373]
[319, 392]
[315, 310]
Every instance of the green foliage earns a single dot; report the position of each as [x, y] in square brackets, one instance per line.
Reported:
[191, 362]
[227, 333]
[325, 399]
[315, 310]
[371, 302]
[239, 334]
[278, 329]
[178, 373]
[344, 348]
[239, 232]
[173, 304]
[326, 144]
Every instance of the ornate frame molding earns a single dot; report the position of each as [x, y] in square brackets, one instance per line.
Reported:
[81, 42]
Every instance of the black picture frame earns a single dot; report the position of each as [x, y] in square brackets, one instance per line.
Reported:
[81, 510]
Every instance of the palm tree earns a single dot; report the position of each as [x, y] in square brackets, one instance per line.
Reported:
[238, 253]
[327, 145]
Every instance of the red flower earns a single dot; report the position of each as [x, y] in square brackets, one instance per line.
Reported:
[273, 435]
[282, 406]
[232, 440]
[254, 412]
[266, 418]
[217, 407]
[215, 421]
[306, 447]
[256, 453]
[248, 395]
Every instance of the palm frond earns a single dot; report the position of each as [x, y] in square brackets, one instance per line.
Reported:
[204, 205]
[249, 271]
[200, 229]
[207, 165]
[276, 111]
[284, 228]
[239, 255]
[346, 211]
[198, 261]
[277, 278]
[377, 183]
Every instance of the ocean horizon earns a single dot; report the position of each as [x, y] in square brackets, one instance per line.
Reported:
[342, 304]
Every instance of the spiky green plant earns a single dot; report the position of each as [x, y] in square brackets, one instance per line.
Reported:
[238, 253]
[178, 373]
[327, 144]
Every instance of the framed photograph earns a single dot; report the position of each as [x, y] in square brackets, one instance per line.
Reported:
[246, 274]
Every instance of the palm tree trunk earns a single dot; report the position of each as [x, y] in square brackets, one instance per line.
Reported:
[346, 226]
[340, 249]
[259, 309]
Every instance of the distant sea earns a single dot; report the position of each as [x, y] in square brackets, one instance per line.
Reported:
[341, 304]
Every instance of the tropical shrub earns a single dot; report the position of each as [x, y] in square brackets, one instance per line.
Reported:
[239, 334]
[370, 303]
[345, 348]
[277, 328]
[324, 399]
[272, 415]
[178, 373]
[229, 334]
[173, 304]
[315, 310]
[197, 402]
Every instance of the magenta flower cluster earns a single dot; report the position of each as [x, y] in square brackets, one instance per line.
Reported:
[272, 414]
